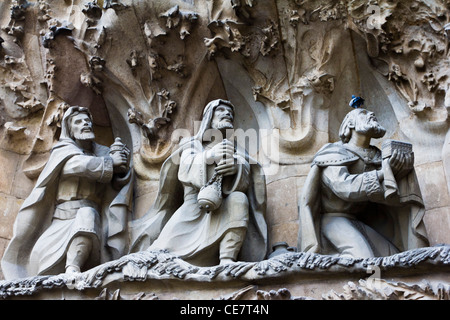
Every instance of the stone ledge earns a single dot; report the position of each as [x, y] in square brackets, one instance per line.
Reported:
[160, 268]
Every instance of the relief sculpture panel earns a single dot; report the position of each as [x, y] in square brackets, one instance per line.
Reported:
[212, 142]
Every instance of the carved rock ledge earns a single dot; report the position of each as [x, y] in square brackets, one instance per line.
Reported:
[163, 266]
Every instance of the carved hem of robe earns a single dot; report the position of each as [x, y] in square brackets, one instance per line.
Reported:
[191, 230]
[50, 250]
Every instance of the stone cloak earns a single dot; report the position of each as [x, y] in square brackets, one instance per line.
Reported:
[406, 211]
[36, 214]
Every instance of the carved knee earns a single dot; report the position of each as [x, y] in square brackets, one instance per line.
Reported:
[238, 198]
[236, 205]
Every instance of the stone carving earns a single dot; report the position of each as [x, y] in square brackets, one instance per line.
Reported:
[44, 11]
[160, 264]
[15, 27]
[372, 289]
[203, 235]
[251, 293]
[116, 295]
[291, 65]
[56, 28]
[76, 215]
[380, 289]
[376, 289]
[231, 30]
[359, 201]
[93, 13]
[405, 52]
[91, 79]
[271, 39]
[151, 127]
[185, 19]
[115, 5]
[226, 35]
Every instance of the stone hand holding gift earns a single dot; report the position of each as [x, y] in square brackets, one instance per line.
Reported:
[122, 153]
[210, 195]
[398, 161]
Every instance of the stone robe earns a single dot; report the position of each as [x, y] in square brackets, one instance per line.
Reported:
[343, 189]
[176, 222]
[73, 195]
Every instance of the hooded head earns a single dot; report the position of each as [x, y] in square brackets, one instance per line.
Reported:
[208, 114]
[67, 132]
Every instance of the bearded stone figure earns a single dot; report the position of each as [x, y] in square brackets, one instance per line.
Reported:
[359, 201]
[211, 203]
[76, 216]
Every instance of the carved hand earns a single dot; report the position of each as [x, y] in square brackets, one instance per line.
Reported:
[401, 163]
[222, 150]
[120, 160]
[227, 167]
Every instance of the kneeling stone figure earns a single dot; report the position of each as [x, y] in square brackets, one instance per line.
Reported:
[359, 201]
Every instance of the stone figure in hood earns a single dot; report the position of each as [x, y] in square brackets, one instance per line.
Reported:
[359, 201]
[211, 203]
[76, 215]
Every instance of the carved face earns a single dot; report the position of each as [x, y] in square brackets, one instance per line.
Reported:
[81, 127]
[367, 123]
[223, 117]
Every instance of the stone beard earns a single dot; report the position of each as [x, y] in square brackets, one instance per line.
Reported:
[84, 136]
[363, 123]
[81, 129]
[370, 127]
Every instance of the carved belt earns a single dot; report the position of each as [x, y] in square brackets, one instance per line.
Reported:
[68, 209]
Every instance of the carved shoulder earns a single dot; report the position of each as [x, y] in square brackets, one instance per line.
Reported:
[334, 154]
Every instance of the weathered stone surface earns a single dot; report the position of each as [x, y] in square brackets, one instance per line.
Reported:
[433, 183]
[282, 201]
[9, 206]
[146, 69]
[434, 220]
[9, 162]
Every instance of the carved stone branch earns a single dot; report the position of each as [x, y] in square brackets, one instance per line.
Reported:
[56, 28]
[152, 126]
[184, 19]
[379, 289]
[158, 265]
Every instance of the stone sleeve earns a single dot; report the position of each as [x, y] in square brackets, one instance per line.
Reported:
[99, 169]
[192, 168]
[352, 187]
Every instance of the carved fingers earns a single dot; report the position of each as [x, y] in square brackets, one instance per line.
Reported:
[396, 161]
[227, 166]
[222, 150]
[120, 161]
[401, 163]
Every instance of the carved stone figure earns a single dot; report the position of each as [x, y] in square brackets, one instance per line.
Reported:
[76, 215]
[359, 201]
[212, 199]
